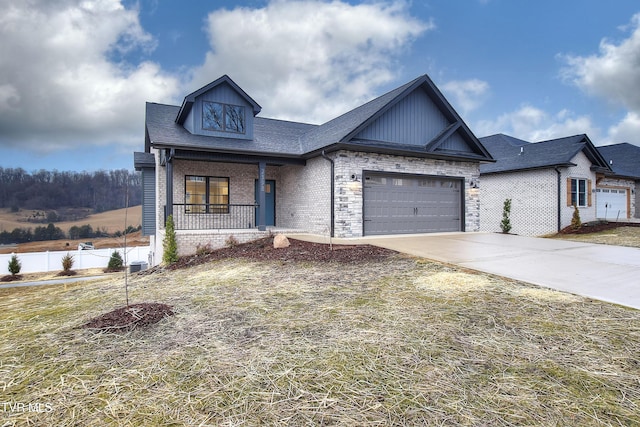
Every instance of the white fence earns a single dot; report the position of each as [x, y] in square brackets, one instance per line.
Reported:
[38, 262]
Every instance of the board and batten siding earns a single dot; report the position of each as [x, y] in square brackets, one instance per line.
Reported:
[148, 201]
[226, 95]
[413, 121]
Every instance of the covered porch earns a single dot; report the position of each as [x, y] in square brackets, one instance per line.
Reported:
[221, 192]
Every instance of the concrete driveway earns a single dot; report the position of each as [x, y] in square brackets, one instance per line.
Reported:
[607, 273]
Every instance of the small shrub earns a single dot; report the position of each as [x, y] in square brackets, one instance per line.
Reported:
[231, 241]
[576, 223]
[202, 250]
[115, 262]
[14, 265]
[505, 224]
[67, 263]
[170, 244]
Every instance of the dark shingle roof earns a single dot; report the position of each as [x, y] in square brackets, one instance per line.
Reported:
[284, 138]
[275, 137]
[144, 160]
[512, 154]
[626, 159]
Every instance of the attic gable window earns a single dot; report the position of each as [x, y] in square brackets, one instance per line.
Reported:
[223, 117]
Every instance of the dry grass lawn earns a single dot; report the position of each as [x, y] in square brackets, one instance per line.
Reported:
[621, 236]
[399, 342]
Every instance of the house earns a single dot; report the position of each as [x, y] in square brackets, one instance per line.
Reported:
[404, 162]
[618, 194]
[544, 180]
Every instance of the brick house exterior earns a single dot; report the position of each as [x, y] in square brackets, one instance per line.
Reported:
[624, 160]
[543, 180]
[403, 162]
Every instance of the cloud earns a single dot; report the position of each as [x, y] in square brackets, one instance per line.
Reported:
[627, 130]
[533, 124]
[612, 74]
[467, 95]
[309, 60]
[59, 84]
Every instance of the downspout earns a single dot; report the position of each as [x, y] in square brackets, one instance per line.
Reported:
[559, 198]
[333, 166]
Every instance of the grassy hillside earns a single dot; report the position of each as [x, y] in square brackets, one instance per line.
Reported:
[111, 221]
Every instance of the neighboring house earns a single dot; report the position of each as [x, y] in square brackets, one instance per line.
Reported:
[404, 162]
[544, 180]
[618, 194]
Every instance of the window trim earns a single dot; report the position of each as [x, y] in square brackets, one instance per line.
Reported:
[573, 196]
[224, 118]
[210, 208]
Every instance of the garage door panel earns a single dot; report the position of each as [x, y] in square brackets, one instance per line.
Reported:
[411, 204]
[611, 203]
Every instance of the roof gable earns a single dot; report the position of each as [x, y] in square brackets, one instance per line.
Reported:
[512, 154]
[189, 100]
[414, 117]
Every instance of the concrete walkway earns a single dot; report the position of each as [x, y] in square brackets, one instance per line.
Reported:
[603, 272]
[50, 282]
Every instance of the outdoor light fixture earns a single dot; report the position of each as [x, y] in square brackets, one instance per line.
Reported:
[474, 184]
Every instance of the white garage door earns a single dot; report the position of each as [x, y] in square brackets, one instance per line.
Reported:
[611, 203]
[401, 204]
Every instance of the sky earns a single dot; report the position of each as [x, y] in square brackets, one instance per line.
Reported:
[75, 74]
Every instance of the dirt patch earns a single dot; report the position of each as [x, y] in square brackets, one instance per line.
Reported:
[11, 278]
[298, 250]
[127, 318]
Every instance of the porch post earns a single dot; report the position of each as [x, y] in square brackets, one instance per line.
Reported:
[262, 198]
[168, 210]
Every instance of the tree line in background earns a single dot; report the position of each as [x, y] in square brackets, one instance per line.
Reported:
[99, 191]
[51, 232]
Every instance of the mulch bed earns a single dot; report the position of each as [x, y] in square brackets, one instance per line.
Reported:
[67, 273]
[127, 318]
[263, 250]
[596, 226]
[10, 278]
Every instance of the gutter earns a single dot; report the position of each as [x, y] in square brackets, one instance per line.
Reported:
[559, 198]
[333, 166]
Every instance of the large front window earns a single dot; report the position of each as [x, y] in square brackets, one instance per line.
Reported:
[206, 194]
[579, 192]
[223, 117]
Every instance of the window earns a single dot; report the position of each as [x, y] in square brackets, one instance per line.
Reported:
[579, 192]
[206, 194]
[223, 117]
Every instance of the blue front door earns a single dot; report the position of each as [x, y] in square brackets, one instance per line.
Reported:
[270, 196]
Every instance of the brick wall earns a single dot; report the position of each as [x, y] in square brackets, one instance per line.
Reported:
[348, 193]
[582, 170]
[304, 197]
[534, 199]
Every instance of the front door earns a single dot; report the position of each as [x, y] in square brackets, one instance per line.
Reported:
[270, 196]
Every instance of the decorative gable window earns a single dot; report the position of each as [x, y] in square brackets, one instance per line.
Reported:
[223, 117]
